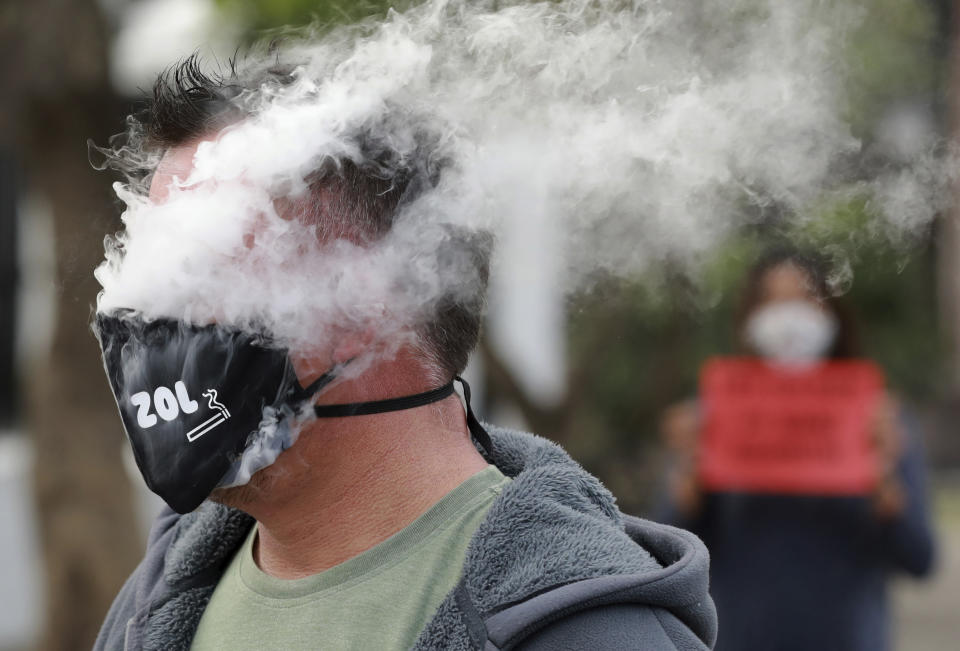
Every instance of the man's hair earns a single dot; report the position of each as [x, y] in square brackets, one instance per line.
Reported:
[346, 199]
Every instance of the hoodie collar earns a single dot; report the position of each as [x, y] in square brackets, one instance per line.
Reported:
[553, 524]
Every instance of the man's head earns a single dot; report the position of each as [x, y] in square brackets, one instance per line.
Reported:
[345, 199]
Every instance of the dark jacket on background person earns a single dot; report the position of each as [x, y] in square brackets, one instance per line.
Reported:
[793, 573]
[554, 565]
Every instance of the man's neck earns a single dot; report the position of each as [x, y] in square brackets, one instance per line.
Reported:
[348, 484]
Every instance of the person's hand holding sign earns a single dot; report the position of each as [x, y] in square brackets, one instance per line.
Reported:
[680, 429]
[889, 498]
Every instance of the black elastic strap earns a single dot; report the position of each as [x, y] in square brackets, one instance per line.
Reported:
[476, 429]
[302, 394]
[381, 406]
[314, 387]
[409, 402]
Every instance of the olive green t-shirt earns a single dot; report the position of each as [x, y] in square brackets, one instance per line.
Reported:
[380, 599]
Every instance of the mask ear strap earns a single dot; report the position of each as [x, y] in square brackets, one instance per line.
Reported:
[382, 406]
[319, 383]
[312, 389]
[477, 430]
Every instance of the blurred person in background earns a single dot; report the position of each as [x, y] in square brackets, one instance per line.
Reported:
[802, 572]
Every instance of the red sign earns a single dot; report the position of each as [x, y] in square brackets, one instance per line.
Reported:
[775, 429]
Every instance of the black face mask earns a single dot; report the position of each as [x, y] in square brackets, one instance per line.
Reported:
[190, 398]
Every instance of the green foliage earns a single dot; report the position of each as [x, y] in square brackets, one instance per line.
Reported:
[259, 15]
[891, 56]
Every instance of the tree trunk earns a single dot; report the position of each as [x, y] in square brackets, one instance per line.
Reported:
[90, 541]
[56, 95]
[9, 391]
[948, 242]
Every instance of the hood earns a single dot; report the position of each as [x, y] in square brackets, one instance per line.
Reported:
[555, 543]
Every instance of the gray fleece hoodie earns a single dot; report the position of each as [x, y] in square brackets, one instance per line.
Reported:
[553, 566]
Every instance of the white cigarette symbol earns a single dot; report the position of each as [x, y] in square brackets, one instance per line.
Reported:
[213, 421]
[211, 396]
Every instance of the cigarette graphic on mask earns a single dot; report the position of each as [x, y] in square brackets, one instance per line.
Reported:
[218, 418]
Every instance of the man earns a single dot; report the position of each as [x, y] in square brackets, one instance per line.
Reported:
[394, 520]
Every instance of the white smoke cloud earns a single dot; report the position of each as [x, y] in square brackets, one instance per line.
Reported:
[640, 131]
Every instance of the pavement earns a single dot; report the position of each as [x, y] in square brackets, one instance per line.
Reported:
[928, 612]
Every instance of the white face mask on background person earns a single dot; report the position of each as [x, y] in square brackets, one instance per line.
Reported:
[791, 332]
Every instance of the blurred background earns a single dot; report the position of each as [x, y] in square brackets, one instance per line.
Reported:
[594, 372]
